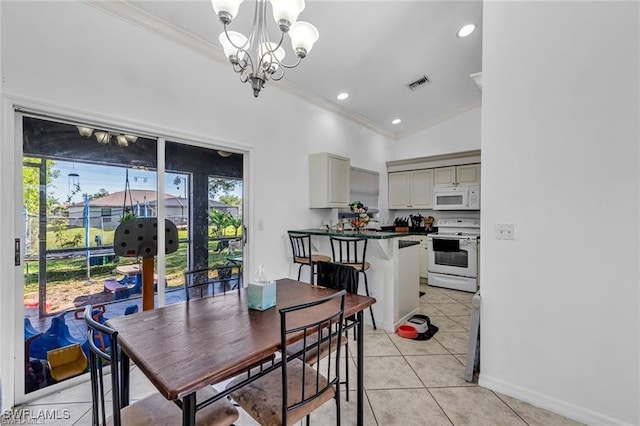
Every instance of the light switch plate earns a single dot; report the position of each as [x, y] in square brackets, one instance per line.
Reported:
[505, 231]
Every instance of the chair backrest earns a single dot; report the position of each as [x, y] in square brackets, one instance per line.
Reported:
[349, 250]
[99, 359]
[318, 322]
[209, 281]
[337, 276]
[300, 246]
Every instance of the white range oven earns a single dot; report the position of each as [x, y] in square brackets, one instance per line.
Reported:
[453, 254]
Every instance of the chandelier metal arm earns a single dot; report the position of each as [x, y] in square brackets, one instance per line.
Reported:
[271, 52]
[290, 65]
[226, 33]
[256, 58]
[277, 74]
[238, 66]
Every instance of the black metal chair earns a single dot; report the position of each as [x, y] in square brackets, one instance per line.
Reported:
[352, 251]
[338, 277]
[302, 253]
[288, 394]
[152, 410]
[215, 279]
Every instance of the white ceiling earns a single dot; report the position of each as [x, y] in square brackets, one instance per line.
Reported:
[369, 49]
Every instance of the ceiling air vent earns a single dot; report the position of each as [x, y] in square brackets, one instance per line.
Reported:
[418, 82]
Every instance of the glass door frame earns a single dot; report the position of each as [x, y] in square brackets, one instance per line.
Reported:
[12, 359]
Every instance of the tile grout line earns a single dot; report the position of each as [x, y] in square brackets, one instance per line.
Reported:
[87, 412]
[440, 387]
[510, 408]
[420, 378]
[421, 381]
[494, 393]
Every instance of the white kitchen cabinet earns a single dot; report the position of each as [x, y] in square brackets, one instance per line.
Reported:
[466, 174]
[399, 190]
[411, 190]
[328, 180]
[424, 263]
[422, 249]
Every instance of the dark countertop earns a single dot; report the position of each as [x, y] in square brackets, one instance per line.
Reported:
[407, 243]
[371, 234]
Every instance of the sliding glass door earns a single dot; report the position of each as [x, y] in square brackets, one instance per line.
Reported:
[80, 181]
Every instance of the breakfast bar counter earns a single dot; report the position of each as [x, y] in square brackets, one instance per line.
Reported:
[394, 275]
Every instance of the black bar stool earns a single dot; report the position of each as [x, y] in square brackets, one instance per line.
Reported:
[301, 249]
[352, 251]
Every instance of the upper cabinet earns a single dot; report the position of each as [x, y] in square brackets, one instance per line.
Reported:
[413, 181]
[328, 180]
[411, 190]
[467, 174]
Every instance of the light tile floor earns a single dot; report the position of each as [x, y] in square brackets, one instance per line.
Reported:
[407, 382]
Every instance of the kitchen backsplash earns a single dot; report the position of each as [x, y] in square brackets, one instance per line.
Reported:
[437, 214]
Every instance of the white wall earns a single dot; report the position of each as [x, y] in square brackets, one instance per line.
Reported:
[75, 57]
[560, 159]
[560, 324]
[459, 133]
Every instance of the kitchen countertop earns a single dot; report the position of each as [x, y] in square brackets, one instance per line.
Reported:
[366, 233]
[394, 276]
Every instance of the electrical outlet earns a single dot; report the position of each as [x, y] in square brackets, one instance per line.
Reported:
[505, 231]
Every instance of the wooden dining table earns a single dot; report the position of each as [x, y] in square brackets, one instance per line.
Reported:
[186, 346]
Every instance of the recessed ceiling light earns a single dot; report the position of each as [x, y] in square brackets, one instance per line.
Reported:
[342, 96]
[396, 121]
[466, 30]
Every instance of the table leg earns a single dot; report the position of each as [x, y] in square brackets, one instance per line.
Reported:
[189, 410]
[360, 358]
[124, 378]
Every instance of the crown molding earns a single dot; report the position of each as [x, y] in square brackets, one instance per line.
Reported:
[433, 161]
[132, 14]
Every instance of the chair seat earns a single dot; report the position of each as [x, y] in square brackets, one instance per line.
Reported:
[312, 353]
[262, 399]
[358, 266]
[157, 411]
[314, 258]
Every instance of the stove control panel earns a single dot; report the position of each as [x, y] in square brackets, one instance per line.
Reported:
[459, 223]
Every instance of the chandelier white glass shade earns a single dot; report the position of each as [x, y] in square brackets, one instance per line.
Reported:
[256, 58]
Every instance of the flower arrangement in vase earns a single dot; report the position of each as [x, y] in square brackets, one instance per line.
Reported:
[362, 219]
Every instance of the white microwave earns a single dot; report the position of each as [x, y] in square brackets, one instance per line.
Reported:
[457, 198]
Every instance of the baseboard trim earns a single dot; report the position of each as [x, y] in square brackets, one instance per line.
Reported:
[564, 408]
[404, 318]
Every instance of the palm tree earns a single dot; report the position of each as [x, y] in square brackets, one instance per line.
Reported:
[236, 222]
[219, 220]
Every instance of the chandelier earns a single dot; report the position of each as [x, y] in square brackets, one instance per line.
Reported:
[105, 138]
[256, 58]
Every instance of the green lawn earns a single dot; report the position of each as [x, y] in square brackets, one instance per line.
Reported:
[67, 278]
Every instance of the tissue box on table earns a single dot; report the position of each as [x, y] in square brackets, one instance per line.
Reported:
[262, 296]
